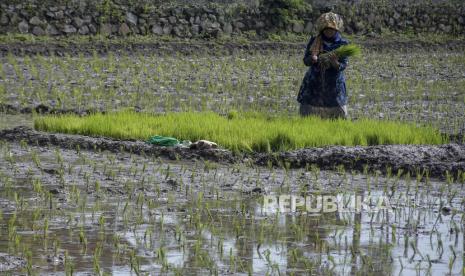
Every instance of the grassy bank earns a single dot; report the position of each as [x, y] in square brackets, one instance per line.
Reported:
[248, 132]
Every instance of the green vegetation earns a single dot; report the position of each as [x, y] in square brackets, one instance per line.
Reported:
[395, 86]
[151, 215]
[249, 132]
[109, 12]
[341, 52]
[348, 50]
[243, 38]
[285, 12]
[95, 212]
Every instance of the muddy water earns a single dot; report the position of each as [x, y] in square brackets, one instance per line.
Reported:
[10, 121]
[90, 212]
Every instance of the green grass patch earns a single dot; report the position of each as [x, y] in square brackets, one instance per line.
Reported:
[243, 132]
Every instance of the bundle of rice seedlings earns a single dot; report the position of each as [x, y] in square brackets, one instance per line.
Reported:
[348, 50]
[341, 52]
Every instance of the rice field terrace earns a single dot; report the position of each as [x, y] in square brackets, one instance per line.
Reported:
[109, 207]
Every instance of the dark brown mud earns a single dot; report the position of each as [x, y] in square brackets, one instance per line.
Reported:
[205, 47]
[437, 161]
[431, 160]
[43, 109]
[33, 137]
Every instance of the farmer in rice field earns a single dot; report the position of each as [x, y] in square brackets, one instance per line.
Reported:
[323, 90]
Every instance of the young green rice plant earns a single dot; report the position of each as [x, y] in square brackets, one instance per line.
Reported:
[280, 133]
[12, 228]
[97, 187]
[341, 52]
[96, 258]
[37, 186]
[83, 238]
[69, 266]
[29, 267]
[101, 223]
[135, 263]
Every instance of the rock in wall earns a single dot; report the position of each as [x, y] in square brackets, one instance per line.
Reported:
[123, 17]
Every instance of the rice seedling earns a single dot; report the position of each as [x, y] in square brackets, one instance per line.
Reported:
[278, 133]
[267, 68]
[217, 221]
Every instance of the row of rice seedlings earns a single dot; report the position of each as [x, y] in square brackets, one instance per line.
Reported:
[244, 82]
[204, 216]
[207, 209]
[276, 134]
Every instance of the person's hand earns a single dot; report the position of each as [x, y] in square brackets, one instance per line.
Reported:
[314, 59]
[334, 60]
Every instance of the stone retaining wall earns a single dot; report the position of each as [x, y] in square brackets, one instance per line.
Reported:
[113, 17]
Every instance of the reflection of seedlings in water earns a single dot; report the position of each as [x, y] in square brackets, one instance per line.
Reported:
[440, 247]
[96, 258]
[116, 238]
[45, 229]
[36, 159]
[101, 222]
[29, 269]
[161, 255]
[12, 234]
[413, 244]
[215, 218]
[135, 262]
[56, 246]
[83, 238]
[452, 259]
[87, 180]
[69, 266]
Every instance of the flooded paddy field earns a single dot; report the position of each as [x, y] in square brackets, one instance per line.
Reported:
[95, 209]
[419, 85]
[100, 212]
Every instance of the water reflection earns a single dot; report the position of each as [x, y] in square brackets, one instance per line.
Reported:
[205, 230]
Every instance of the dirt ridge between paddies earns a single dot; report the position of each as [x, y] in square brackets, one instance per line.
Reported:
[213, 47]
[438, 161]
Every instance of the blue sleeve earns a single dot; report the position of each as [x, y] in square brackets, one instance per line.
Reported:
[343, 62]
[307, 55]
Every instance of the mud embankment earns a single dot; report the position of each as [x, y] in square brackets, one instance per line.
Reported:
[44, 109]
[208, 47]
[434, 161]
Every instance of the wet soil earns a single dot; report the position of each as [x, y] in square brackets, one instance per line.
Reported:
[423, 86]
[207, 47]
[431, 160]
[43, 109]
[117, 206]
[122, 210]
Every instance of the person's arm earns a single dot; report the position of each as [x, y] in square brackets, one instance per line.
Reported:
[343, 63]
[308, 54]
